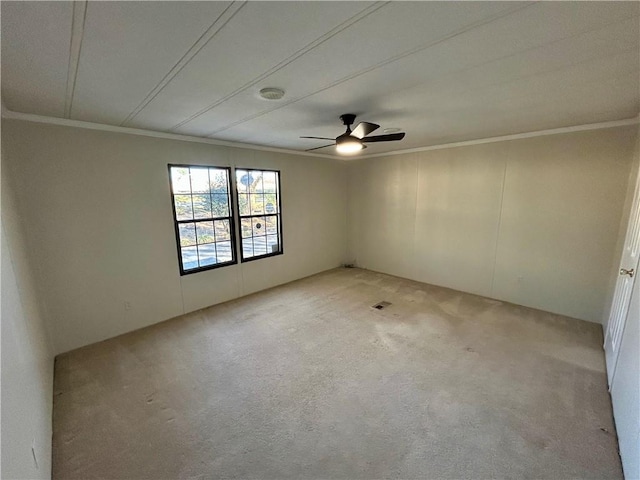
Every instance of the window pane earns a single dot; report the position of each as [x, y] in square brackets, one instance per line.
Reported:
[272, 225]
[201, 206]
[257, 195]
[270, 203]
[201, 193]
[184, 209]
[187, 234]
[220, 203]
[245, 227]
[258, 226]
[244, 180]
[247, 247]
[180, 180]
[207, 254]
[205, 232]
[243, 203]
[257, 203]
[218, 180]
[269, 182]
[272, 244]
[223, 230]
[199, 180]
[223, 252]
[259, 246]
[256, 186]
[189, 257]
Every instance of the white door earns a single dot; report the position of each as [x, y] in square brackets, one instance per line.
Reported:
[624, 286]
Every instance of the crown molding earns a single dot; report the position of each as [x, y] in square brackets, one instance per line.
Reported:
[516, 136]
[28, 117]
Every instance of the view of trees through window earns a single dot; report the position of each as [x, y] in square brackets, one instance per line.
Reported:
[259, 210]
[202, 210]
[204, 215]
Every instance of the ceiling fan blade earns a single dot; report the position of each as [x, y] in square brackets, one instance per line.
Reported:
[363, 129]
[310, 149]
[384, 138]
[320, 138]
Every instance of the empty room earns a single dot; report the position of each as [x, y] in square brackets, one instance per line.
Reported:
[320, 240]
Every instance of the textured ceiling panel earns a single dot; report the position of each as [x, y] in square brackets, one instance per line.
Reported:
[36, 39]
[262, 36]
[459, 86]
[441, 71]
[128, 47]
[364, 47]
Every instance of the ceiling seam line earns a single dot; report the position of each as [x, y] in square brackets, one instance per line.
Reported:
[538, 74]
[186, 58]
[530, 49]
[378, 65]
[79, 9]
[306, 49]
[177, 68]
[596, 80]
[66, 91]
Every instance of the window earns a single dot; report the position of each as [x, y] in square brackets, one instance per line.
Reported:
[203, 217]
[259, 211]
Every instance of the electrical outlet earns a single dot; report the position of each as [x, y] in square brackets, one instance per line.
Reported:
[127, 306]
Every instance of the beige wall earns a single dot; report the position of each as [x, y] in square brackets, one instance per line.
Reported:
[97, 214]
[532, 221]
[27, 357]
[89, 226]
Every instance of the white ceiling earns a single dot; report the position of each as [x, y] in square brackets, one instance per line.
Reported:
[441, 71]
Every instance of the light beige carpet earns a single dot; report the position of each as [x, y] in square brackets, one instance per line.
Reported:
[308, 381]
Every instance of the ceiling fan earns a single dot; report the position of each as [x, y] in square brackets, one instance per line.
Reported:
[352, 141]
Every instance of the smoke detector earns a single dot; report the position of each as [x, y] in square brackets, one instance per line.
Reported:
[272, 93]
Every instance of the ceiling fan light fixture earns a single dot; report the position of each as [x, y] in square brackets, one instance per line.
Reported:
[349, 145]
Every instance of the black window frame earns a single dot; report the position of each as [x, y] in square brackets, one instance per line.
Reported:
[278, 215]
[231, 218]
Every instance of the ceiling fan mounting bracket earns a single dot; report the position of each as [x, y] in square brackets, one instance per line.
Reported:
[348, 119]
